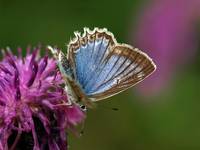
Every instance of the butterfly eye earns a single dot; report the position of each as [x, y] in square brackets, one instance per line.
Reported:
[83, 107]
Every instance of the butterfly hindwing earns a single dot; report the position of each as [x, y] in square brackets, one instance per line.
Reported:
[102, 67]
[130, 67]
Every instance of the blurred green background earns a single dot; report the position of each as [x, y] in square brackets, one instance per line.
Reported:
[169, 120]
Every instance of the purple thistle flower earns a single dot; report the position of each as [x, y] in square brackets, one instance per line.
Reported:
[166, 31]
[33, 103]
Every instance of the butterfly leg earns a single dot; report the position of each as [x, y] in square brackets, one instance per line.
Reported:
[70, 98]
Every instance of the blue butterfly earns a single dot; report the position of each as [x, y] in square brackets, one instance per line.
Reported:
[97, 67]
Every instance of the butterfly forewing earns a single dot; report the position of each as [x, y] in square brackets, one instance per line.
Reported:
[127, 67]
[87, 52]
[103, 68]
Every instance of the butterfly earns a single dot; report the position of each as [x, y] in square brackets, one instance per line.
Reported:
[96, 66]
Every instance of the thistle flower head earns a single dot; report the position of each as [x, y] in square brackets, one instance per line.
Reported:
[32, 101]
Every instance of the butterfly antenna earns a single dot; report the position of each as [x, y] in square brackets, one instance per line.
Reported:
[115, 109]
[82, 130]
[109, 108]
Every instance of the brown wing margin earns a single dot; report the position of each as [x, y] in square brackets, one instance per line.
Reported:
[141, 66]
[82, 39]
